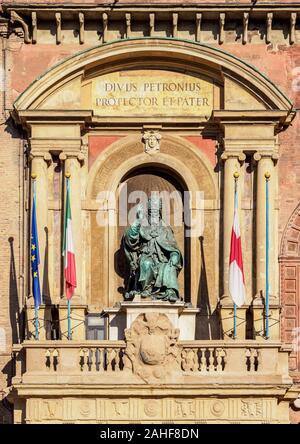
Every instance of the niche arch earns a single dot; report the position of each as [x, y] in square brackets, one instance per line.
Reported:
[158, 178]
[290, 286]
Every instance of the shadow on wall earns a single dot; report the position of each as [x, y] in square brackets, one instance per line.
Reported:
[208, 322]
[6, 412]
[16, 320]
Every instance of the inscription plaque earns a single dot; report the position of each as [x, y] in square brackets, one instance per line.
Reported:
[151, 93]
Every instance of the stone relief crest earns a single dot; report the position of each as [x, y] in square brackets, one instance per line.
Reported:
[151, 347]
[151, 140]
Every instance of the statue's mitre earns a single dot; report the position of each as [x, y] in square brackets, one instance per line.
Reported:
[154, 202]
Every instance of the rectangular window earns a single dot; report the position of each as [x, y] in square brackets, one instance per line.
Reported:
[95, 327]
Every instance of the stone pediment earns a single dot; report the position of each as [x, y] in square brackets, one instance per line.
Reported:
[158, 80]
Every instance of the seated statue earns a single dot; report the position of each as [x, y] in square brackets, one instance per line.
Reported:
[154, 257]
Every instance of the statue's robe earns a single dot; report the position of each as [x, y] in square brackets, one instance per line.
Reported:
[149, 250]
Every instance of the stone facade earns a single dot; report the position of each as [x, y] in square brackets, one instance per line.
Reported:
[54, 59]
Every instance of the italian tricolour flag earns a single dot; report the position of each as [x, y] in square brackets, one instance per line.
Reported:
[236, 271]
[68, 249]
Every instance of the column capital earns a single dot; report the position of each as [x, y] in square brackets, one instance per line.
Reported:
[240, 156]
[265, 155]
[40, 155]
[72, 155]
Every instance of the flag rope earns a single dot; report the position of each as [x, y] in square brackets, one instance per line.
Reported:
[69, 320]
[36, 306]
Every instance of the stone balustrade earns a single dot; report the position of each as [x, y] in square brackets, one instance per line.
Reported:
[195, 359]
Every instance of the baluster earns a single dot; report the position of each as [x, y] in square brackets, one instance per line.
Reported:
[211, 359]
[203, 366]
[196, 360]
[55, 356]
[121, 358]
[255, 359]
[183, 359]
[117, 360]
[86, 359]
[101, 359]
[109, 359]
[97, 359]
[81, 359]
[89, 359]
[219, 359]
[248, 362]
[224, 358]
[252, 359]
[113, 355]
[93, 353]
[48, 359]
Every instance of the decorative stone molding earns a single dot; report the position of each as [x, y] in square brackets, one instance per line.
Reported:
[245, 27]
[293, 27]
[34, 26]
[233, 154]
[81, 27]
[58, 27]
[46, 156]
[4, 27]
[290, 244]
[151, 139]
[151, 347]
[16, 18]
[136, 49]
[196, 16]
[259, 155]
[174, 408]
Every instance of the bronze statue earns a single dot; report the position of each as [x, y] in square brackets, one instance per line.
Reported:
[154, 257]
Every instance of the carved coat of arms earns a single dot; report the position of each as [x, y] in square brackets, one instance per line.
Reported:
[151, 351]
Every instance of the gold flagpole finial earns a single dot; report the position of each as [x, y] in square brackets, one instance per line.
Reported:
[67, 175]
[33, 176]
[267, 175]
[236, 174]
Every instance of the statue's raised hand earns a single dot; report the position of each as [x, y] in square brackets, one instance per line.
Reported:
[140, 213]
[174, 259]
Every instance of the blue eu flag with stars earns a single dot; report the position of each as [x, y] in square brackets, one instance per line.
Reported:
[35, 258]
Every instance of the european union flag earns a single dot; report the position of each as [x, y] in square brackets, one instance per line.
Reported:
[35, 258]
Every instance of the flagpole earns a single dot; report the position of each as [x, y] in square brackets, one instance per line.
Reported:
[236, 177]
[267, 177]
[68, 175]
[36, 307]
[69, 320]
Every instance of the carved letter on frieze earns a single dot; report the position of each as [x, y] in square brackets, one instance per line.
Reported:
[151, 140]
[151, 347]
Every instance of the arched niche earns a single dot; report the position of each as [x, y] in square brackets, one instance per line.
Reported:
[133, 189]
[179, 165]
[290, 286]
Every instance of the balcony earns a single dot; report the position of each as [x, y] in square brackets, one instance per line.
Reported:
[105, 362]
[223, 381]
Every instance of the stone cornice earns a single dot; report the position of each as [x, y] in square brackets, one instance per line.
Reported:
[27, 117]
[280, 118]
[155, 6]
[27, 17]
